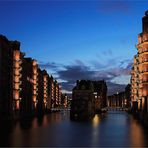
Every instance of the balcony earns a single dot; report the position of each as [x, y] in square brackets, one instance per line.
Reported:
[145, 82]
[34, 87]
[34, 92]
[142, 37]
[143, 53]
[17, 73]
[142, 50]
[16, 80]
[15, 94]
[144, 92]
[34, 63]
[144, 62]
[45, 96]
[45, 93]
[144, 42]
[45, 79]
[45, 85]
[144, 72]
[16, 67]
[34, 82]
[140, 85]
[35, 78]
[16, 86]
[34, 98]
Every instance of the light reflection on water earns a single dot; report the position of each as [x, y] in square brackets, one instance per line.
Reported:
[96, 120]
[116, 129]
[95, 130]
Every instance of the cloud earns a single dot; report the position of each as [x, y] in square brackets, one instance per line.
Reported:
[79, 62]
[129, 66]
[50, 65]
[116, 75]
[122, 79]
[68, 86]
[75, 72]
[113, 88]
[97, 64]
[79, 70]
[124, 63]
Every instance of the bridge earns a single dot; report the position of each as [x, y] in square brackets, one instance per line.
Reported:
[114, 109]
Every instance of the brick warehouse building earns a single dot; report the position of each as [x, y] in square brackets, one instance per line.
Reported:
[24, 87]
[29, 86]
[10, 75]
[139, 79]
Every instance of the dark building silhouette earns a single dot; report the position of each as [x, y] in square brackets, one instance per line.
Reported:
[10, 75]
[40, 101]
[116, 100]
[49, 90]
[52, 89]
[57, 94]
[93, 93]
[64, 100]
[128, 96]
[29, 86]
[111, 101]
[145, 23]
[45, 88]
[24, 88]
[121, 99]
[83, 89]
[100, 94]
[83, 100]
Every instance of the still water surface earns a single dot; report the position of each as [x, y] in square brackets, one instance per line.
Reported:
[113, 129]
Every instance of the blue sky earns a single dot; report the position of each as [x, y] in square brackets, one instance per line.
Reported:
[77, 39]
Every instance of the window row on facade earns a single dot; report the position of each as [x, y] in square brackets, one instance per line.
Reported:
[24, 87]
[139, 74]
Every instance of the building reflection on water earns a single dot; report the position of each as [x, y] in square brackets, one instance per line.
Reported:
[136, 136]
[56, 129]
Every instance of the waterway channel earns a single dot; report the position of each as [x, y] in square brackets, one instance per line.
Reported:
[112, 129]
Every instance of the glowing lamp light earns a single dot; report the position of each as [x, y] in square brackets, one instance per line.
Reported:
[34, 62]
[96, 121]
[34, 98]
[17, 105]
[16, 95]
[16, 55]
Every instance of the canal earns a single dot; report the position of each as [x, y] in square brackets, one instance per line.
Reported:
[112, 129]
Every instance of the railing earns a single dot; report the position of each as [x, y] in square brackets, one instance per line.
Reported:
[142, 52]
[143, 71]
[146, 81]
[116, 109]
[142, 37]
[145, 61]
[142, 42]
